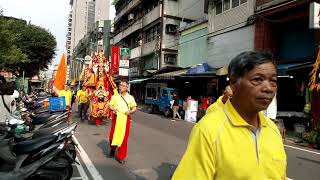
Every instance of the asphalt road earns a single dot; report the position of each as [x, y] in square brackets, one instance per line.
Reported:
[156, 146]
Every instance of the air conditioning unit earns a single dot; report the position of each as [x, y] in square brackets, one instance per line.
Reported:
[131, 17]
[171, 29]
[170, 59]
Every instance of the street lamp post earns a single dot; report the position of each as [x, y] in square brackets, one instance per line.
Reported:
[81, 60]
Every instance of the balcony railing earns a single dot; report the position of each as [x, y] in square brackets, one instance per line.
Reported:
[151, 16]
[135, 52]
[148, 48]
[268, 3]
[131, 5]
[134, 27]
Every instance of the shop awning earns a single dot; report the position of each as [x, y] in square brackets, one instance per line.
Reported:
[151, 71]
[283, 68]
[222, 71]
[170, 75]
[199, 69]
[136, 81]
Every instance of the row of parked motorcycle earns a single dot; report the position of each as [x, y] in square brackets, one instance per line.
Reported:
[36, 144]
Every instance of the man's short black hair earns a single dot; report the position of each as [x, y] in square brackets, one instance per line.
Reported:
[124, 81]
[246, 61]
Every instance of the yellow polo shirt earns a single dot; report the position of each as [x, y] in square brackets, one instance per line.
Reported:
[222, 147]
[120, 104]
[82, 96]
[67, 95]
[215, 105]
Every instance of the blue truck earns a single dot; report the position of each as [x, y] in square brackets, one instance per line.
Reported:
[158, 97]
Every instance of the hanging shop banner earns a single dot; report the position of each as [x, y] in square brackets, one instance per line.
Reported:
[115, 59]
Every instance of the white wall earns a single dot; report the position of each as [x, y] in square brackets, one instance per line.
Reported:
[190, 9]
[230, 18]
[222, 48]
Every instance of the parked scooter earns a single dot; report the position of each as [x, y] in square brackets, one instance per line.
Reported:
[44, 157]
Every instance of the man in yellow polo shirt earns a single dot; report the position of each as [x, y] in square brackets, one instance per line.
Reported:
[237, 141]
[83, 103]
[123, 104]
[67, 93]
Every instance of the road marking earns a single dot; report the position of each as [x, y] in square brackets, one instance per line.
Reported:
[289, 179]
[81, 171]
[301, 149]
[88, 163]
[75, 178]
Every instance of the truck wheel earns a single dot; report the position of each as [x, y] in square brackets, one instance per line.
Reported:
[150, 109]
[167, 112]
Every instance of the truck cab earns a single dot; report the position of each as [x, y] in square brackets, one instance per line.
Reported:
[158, 97]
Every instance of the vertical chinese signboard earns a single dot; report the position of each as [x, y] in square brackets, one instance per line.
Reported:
[124, 62]
[115, 59]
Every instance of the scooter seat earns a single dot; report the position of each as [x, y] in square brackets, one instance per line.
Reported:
[43, 119]
[33, 145]
[49, 130]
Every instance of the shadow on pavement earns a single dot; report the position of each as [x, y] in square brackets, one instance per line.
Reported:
[165, 171]
[104, 145]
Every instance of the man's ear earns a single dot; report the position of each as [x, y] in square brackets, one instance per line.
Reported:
[233, 83]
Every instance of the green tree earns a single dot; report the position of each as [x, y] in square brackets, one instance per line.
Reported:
[10, 54]
[32, 47]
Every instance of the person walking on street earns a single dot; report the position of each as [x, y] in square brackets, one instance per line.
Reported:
[175, 106]
[83, 103]
[237, 141]
[123, 104]
[67, 93]
[227, 94]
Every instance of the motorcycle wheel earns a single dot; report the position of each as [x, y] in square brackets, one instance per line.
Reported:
[51, 175]
[72, 150]
[68, 173]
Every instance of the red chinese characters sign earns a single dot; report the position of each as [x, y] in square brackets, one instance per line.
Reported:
[115, 59]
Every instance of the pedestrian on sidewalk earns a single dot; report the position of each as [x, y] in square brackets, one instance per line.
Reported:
[237, 141]
[82, 99]
[175, 106]
[123, 104]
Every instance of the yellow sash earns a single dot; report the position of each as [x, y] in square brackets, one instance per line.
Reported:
[120, 129]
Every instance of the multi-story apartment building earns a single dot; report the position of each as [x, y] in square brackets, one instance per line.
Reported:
[82, 20]
[68, 36]
[150, 29]
[102, 9]
[231, 29]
